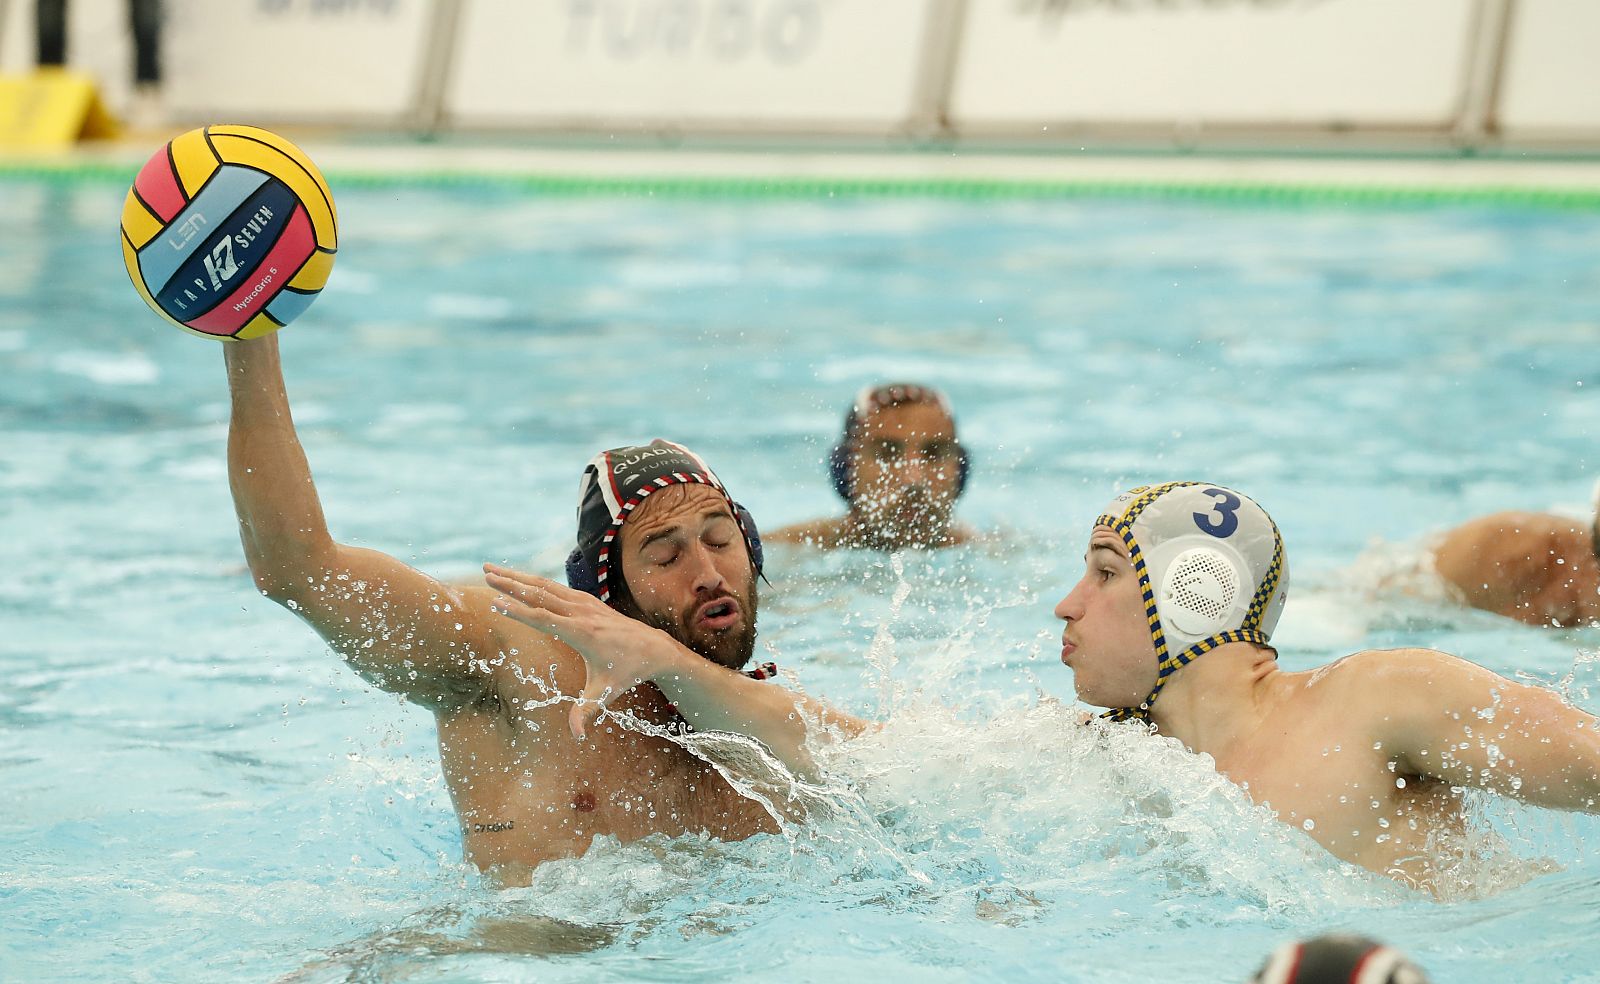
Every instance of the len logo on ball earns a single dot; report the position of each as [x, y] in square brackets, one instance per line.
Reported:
[229, 232]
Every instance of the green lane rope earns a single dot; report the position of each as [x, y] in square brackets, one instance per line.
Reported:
[1249, 193]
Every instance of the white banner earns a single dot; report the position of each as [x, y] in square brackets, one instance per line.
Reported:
[261, 61]
[1190, 63]
[747, 64]
[1551, 75]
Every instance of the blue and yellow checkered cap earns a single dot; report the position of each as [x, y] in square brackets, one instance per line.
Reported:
[1211, 568]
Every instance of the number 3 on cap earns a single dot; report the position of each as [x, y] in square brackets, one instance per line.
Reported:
[1226, 518]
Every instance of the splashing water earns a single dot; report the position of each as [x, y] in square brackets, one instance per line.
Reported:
[200, 791]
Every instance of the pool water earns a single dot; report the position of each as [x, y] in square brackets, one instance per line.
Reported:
[196, 789]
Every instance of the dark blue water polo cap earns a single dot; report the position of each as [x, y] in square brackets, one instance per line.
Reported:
[618, 481]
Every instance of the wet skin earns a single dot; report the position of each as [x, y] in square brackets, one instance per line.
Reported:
[1533, 567]
[904, 479]
[1365, 754]
[686, 562]
[524, 788]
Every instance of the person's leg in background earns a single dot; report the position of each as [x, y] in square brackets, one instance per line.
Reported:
[51, 24]
[145, 20]
[144, 109]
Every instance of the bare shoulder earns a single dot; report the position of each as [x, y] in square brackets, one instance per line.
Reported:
[480, 603]
[1382, 683]
[1408, 694]
[823, 533]
[522, 659]
[1387, 667]
[1511, 536]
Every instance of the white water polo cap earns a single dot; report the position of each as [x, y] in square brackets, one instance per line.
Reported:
[1211, 566]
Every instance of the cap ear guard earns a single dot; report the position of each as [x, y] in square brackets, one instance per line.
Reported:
[1202, 592]
[1212, 569]
[752, 537]
[581, 577]
[839, 469]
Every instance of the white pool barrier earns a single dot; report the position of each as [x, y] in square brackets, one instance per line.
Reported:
[1268, 73]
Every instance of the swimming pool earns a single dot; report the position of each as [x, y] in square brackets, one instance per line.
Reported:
[197, 790]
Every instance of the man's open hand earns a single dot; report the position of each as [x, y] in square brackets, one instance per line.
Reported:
[618, 652]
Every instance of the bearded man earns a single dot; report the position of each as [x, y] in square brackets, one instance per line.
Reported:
[659, 539]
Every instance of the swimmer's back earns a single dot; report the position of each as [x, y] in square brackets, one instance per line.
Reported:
[1534, 567]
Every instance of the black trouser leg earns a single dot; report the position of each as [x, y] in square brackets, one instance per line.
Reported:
[52, 24]
[146, 23]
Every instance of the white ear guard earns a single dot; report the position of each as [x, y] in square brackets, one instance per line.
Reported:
[1201, 589]
[1212, 566]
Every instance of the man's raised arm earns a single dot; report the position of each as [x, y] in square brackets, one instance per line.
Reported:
[396, 626]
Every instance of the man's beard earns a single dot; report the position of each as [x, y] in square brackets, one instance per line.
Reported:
[904, 518]
[732, 647]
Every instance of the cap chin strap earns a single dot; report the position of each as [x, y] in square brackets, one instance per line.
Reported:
[1177, 661]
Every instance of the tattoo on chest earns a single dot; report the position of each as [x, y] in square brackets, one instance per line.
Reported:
[493, 828]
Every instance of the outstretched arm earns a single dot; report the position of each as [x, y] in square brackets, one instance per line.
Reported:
[395, 625]
[823, 533]
[621, 653]
[1470, 727]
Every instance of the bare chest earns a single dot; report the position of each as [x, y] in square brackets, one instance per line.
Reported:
[526, 792]
[1350, 799]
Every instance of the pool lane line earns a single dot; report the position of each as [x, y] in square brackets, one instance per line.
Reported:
[1248, 193]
